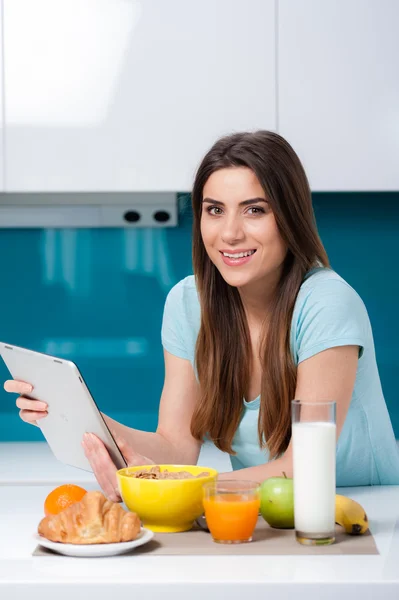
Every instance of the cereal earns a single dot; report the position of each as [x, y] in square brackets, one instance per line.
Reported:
[156, 473]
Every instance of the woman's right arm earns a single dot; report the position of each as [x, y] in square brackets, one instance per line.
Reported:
[172, 442]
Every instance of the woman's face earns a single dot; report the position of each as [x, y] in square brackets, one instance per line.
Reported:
[239, 230]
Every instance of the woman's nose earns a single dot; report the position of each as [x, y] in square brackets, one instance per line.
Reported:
[232, 231]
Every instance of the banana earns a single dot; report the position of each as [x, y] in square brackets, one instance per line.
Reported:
[350, 515]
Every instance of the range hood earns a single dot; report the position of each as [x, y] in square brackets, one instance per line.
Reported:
[88, 209]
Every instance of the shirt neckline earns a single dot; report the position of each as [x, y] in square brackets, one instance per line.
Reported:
[253, 404]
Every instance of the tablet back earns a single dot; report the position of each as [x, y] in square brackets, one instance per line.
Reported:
[71, 408]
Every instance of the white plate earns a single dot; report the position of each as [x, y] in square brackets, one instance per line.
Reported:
[87, 550]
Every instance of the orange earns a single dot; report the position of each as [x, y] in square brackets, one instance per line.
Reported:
[62, 497]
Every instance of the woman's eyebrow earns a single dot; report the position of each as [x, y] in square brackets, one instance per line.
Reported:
[243, 203]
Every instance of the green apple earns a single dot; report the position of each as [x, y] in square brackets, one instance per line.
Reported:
[277, 502]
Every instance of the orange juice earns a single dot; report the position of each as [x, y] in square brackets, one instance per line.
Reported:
[231, 517]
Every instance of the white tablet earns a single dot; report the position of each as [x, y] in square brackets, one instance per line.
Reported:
[72, 410]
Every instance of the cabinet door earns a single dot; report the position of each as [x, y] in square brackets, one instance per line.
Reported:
[106, 95]
[338, 72]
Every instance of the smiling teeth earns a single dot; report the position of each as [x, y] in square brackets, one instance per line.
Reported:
[240, 255]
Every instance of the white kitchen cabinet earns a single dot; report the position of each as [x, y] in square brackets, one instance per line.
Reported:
[121, 95]
[338, 90]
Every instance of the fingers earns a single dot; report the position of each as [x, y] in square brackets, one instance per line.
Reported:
[127, 451]
[133, 459]
[30, 416]
[102, 465]
[31, 410]
[19, 387]
[27, 404]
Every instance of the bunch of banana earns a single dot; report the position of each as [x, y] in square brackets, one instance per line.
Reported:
[350, 515]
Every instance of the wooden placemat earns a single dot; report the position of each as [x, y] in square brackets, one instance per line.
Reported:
[266, 540]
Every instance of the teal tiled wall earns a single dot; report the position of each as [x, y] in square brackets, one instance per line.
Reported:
[96, 296]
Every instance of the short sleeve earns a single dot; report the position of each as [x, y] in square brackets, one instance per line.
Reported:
[172, 332]
[332, 314]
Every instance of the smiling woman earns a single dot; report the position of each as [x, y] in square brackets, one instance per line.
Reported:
[264, 320]
[225, 225]
[246, 194]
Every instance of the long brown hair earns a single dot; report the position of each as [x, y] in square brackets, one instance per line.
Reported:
[223, 350]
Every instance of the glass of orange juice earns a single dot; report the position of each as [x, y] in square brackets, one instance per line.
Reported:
[231, 510]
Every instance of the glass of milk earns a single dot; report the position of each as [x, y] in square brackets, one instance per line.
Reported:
[314, 464]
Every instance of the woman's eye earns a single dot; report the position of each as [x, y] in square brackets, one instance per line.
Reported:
[214, 210]
[252, 211]
[256, 210]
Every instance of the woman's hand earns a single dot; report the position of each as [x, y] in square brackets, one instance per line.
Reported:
[30, 410]
[95, 451]
[102, 465]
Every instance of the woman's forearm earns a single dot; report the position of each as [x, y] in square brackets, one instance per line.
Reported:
[162, 451]
[262, 472]
[152, 445]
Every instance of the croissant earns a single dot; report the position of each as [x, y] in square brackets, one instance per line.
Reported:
[93, 520]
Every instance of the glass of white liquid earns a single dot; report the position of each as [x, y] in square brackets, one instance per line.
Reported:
[314, 475]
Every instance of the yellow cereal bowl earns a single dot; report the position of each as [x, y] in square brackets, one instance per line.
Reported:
[164, 505]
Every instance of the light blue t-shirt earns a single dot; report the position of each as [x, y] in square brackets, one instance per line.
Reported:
[328, 313]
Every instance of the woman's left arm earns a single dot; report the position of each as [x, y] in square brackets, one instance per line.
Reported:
[328, 375]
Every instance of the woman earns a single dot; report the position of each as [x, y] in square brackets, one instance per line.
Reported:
[264, 320]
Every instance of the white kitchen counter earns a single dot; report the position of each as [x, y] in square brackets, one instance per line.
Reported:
[178, 577]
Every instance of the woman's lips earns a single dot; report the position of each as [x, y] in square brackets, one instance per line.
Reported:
[236, 262]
